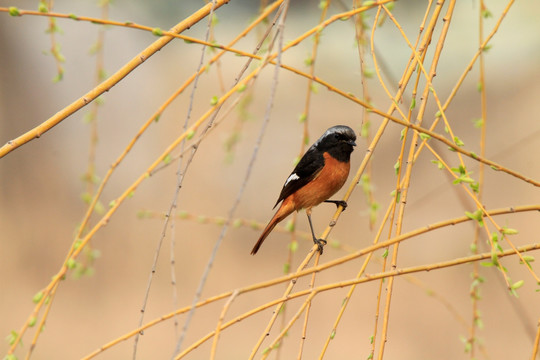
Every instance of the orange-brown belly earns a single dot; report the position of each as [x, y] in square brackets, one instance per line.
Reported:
[331, 178]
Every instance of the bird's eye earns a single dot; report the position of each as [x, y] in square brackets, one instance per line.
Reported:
[337, 136]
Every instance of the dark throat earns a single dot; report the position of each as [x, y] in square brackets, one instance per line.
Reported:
[341, 153]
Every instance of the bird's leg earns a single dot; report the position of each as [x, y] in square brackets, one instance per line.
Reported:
[320, 242]
[338, 203]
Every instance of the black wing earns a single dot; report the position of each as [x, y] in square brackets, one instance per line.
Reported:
[307, 169]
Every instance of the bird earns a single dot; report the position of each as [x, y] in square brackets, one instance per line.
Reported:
[319, 174]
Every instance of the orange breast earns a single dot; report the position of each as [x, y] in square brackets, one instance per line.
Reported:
[331, 178]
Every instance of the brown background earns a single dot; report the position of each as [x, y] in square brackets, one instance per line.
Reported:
[40, 185]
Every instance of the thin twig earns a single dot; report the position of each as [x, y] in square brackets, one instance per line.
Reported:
[233, 208]
[303, 272]
[179, 180]
[368, 278]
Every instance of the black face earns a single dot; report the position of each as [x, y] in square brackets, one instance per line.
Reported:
[338, 141]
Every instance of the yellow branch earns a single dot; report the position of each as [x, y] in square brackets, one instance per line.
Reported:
[110, 82]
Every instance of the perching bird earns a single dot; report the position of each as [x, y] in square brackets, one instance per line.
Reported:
[321, 172]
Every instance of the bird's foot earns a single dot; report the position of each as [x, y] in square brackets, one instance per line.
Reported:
[338, 203]
[320, 244]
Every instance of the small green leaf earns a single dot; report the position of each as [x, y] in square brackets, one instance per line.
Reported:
[508, 231]
[142, 214]
[333, 334]
[286, 268]
[42, 7]
[385, 254]
[308, 61]
[13, 11]
[458, 142]
[527, 258]
[215, 19]
[479, 323]
[58, 77]
[396, 167]
[13, 335]
[478, 123]
[73, 17]
[293, 246]
[37, 298]
[290, 226]
[402, 134]
[167, 159]
[459, 170]
[86, 197]
[486, 14]
[517, 284]
[413, 103]
[242, 87]
[494, 257]
[368, 73]
[112, 203]
[32, 321]
[214, 100]
[424, 136]
[71, 263]
[237, 223]
[157, 31]
[364, 131]
[479, 86]
[190, 134]
[463, 179]
[439, 164]
[302, 118]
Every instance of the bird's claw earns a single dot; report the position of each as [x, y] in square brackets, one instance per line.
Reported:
[339, 203]
[320, 244]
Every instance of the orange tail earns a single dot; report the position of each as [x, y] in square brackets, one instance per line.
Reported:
[286, 208]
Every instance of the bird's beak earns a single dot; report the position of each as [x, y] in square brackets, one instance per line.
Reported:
[351, 142]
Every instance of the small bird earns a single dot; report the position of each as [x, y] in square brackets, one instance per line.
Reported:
[321, 172]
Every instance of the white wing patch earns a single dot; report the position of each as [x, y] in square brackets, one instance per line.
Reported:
[291, 178]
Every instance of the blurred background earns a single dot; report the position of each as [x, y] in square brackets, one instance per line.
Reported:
[42, 187]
